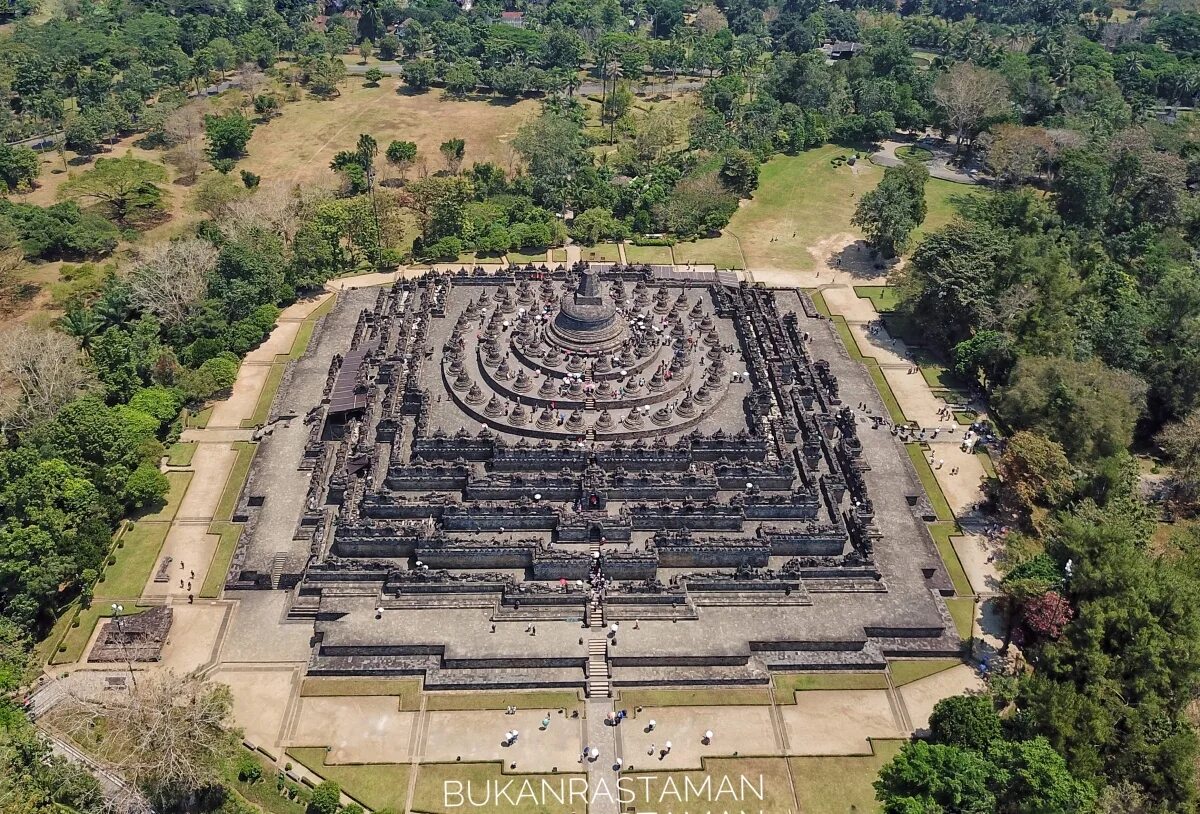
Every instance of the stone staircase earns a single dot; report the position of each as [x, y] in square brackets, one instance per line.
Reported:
[278, 563]
[599, 683]
[595, 614]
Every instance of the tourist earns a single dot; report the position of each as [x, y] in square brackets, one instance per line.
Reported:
[546, 722]
[650, 725]
[708, 736]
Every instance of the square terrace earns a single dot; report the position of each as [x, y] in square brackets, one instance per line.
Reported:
[475, 476]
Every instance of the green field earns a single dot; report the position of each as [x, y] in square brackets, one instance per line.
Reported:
[165, 511]
[906, 672]
[262, 407]
[376, 786]
[71, 648]
[962, 611]
[936, 498]
[654, 255]
[214, 580]
[137, 555]
[180, 454]
[941, 533]
[601, 253]
[912, 153]
[788, 684]
[407, 690]
[544, 699]
[884, 297]
[522, 258]
[723, 697]
[237, 477]
[842, 784]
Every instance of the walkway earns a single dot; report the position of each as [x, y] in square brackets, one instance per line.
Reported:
[939, 167]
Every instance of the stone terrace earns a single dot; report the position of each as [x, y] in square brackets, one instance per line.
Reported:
[476, 477]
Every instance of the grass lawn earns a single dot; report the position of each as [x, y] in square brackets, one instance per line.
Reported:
[429, 795]
[262, 407]
[819, 303]
[166, 511]
[376, 786]
[180, 453]
[965, 417]
[940, 205]
[297, 145]
[44, 650]
[748, 777]
[407, 689]
[558, 255]
[800, 201]
[199, 420]
[601, 253]
[722, 252]
[841, 784]
[538, 699]
[884, 297]
[724, 697]
[214, 580]
[522, 258]
[655, 255]
[70, 649]
[304, 335]
[941, 508]
[910, 670]
[942, 532]
[985, 461]
[913, 153]
[237, 477]
[137, 555]
[962, 610]
[788, 684]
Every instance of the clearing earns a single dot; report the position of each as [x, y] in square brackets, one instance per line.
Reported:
[299, 143]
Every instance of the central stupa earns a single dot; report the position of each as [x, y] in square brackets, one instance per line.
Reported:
[587, 322]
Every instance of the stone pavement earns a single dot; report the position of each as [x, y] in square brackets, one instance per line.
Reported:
[600, 736]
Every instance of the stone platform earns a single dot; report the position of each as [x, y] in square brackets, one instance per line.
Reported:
[494, 469]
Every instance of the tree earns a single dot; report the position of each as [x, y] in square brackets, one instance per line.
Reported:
[82, 136]
[969, 96]
[987, 357]
[326, 798]
[170, 735]
[19, 168]
[1090, 408]
[188, 159]
[965, 721]
[146, 486]
[126, 187]
[166, 279]
[44, 366]
[266, 105]
[227, 135]
[401, 155]
[595, 224]
[452, 150]
[373, 76]
[461, 79]
[889, 213]
[418, 73]
[1181, 443]
[926, 777]
[739, 171]
[1034, 472]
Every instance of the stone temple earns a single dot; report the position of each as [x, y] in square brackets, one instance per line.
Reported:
[475, 477]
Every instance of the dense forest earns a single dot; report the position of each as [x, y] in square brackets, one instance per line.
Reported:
[1068, 294]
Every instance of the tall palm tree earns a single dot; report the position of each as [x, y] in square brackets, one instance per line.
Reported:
[82, 324]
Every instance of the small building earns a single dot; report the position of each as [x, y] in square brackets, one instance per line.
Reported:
[514, 18]
[842, 50]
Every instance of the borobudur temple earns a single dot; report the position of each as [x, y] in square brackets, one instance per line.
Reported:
[588, 477]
